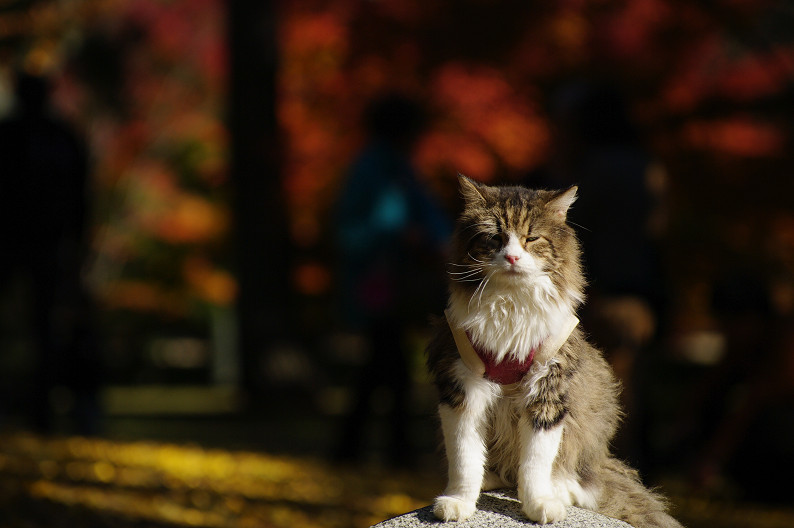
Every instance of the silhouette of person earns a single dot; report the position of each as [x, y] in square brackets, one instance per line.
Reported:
[738, 412]
[390, 233]
[43, 234]
[619, 216]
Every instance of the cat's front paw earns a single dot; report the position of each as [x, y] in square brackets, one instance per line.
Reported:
[544, 510]
[449, 508]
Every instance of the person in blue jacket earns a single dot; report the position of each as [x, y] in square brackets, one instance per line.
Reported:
[390, 237]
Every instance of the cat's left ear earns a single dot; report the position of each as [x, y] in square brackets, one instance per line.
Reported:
[473, 193]
[561, 202]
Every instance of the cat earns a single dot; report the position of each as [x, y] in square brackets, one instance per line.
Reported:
[525, 401]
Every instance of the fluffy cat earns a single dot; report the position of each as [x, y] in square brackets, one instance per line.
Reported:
[525, 401]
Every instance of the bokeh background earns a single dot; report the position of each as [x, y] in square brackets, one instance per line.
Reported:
[212, 370]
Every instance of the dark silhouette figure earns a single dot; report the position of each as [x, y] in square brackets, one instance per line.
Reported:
[390, 235]
[619, 217]
[43, 177]
[738, 414]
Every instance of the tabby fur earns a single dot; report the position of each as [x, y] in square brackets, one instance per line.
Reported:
[515, 279]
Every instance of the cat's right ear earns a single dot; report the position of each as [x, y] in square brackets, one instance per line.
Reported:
[560, 203]
[472, 192]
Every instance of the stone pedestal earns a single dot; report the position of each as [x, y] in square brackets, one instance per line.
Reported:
[503, 510]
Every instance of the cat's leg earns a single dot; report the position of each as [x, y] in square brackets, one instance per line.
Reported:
[464, 429]
[465, 451]
[493, 481]
[573, 493]
[538, 494]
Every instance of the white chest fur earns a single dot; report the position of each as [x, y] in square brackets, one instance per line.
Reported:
[510, 319]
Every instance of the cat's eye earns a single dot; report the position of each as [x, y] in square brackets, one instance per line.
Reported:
[492, 242]
[531, 239]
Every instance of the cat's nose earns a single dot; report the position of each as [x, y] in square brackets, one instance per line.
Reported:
[512, 259]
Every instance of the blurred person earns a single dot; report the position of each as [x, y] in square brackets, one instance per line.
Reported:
[620, 218]
[43, 188]
[390, 239]
[739, 415]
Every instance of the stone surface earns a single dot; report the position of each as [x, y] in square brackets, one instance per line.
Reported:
[500, 509]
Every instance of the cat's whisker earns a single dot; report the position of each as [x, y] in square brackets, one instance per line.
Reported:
[474, 294]
[467, 269]
[469, 273]
[488, 238]
[484, 284]
[480, 289]
[477, 279]
[476, 260]
[475, 235]
[580, 226]
[466, 272]
[468, 278]
[478, 224]
[467, 266]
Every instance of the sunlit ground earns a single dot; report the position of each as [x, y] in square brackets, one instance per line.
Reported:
[75, 482]
[86, 482]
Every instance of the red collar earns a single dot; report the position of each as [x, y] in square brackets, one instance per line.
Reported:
[507, 371]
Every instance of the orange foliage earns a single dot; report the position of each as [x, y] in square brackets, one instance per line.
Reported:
[209, 283]
[630, 32]
[184, 32]
[756, 76]
[142, 296]
[689, 85]
[312, 278]
[490, 112]
[486, 106]
[315, 32]
[570, 30]
[313, 90]
[188, 219]
[451, 153]
[709, 71]
[163, 210]
[736, 136]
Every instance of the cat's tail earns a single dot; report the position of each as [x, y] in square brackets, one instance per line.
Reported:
[624, 497]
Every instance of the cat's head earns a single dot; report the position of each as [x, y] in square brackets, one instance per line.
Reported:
[516, 239]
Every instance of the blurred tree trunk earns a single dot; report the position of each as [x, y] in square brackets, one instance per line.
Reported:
[261, 240]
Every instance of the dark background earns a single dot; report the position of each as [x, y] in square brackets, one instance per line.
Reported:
[218, 137]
